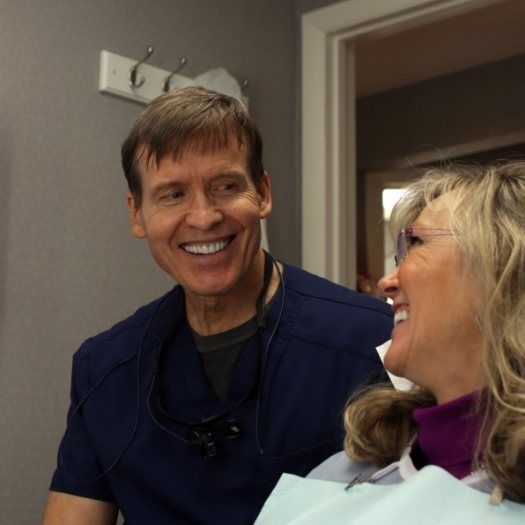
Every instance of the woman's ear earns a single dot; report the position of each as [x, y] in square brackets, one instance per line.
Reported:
[135, 217]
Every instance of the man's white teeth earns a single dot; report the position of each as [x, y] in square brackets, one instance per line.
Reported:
[400, 315]
[206, 249]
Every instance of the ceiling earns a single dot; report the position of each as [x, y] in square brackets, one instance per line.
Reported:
[460, 42]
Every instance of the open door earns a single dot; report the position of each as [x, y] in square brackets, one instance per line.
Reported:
[329, 231]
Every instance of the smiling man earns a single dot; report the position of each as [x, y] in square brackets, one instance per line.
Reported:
[200, 213]
[189, 411]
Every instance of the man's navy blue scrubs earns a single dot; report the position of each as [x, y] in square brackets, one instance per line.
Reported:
[322, 349]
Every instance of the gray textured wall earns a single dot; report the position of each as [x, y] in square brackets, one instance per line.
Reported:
[68, 264]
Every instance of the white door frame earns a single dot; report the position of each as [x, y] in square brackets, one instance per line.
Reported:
[328, 119]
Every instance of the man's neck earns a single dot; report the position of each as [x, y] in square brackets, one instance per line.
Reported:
[213, 315]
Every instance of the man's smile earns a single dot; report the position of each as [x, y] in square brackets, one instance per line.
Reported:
[206, 248]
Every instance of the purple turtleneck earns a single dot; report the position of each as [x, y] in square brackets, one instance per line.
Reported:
[448, 434]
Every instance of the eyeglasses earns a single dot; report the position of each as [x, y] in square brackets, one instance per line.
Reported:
[409, 237]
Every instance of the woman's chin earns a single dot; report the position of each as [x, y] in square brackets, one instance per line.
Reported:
[395, 360]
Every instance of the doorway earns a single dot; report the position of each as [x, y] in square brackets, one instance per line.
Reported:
[329, 118]
[416, 108]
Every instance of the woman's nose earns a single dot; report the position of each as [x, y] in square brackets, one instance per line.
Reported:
[389, 284]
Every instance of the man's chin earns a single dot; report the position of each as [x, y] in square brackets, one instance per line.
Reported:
[209, 291]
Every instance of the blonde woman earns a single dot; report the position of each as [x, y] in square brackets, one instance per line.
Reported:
[452, 448]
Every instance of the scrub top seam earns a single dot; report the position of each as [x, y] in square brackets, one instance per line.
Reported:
[335, 345]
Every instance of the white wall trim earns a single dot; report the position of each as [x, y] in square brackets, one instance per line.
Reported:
[328, 119]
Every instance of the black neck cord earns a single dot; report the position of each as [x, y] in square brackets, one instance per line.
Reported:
[268, 270]
[219, 420]
[136, 354]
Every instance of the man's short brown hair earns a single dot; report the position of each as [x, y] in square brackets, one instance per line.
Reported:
[206, 119]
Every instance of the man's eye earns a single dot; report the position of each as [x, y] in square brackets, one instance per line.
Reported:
[227, 187]
[173, 196]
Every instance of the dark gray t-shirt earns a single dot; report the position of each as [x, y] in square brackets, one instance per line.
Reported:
[219, 353]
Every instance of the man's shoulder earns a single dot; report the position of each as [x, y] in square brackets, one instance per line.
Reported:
[122, 339]
[136, 321]
[315, 287]
[328, 315]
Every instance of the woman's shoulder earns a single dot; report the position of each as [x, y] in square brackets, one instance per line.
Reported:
[340, 467]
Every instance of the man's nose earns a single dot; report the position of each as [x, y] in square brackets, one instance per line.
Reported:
[203, 213]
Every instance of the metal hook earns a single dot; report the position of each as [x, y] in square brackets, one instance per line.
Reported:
[166, 84]
[133, 82]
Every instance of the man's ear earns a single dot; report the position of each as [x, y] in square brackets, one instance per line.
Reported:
[135, 217]
[265, 195]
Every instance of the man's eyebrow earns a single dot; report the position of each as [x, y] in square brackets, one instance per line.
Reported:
[233, 173]
[164, 186]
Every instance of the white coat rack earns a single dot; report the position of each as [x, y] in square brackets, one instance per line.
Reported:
[140, 82]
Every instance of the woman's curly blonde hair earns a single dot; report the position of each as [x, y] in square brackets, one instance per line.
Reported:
[489, 219]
